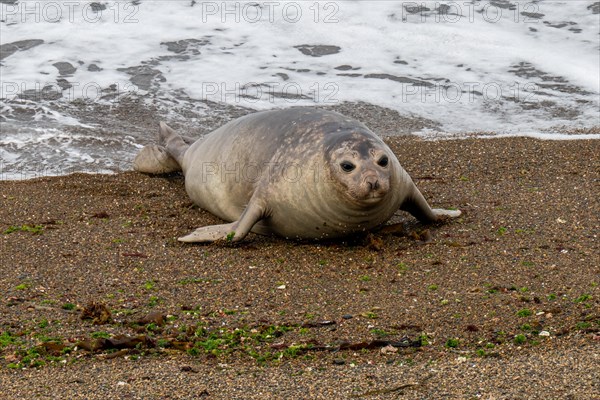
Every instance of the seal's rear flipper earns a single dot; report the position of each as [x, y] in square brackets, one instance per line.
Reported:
[153, 159]
[166, 156]
[175, 144]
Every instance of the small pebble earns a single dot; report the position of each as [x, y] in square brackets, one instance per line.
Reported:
[544, 333]
[347, 316]
[389, 349]
[339, 361]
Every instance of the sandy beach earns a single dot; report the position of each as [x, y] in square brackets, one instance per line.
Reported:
[502, 303]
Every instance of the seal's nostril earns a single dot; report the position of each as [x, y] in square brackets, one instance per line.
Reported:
[373, 185]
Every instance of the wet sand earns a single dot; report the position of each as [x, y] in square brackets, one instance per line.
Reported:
[502, 303]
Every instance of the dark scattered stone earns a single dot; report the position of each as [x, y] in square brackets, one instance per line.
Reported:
[339, 361]
[350, 75]
[124, 342]
[283, 76]
[503, 4]
[318, 324]
[48, 92]
[400, 79]
[8, 1]
[135, 254]
[99, 313]
[51, 348]
[594, 7]
[379, 343]
[101, 215]
[347, 316]
[186, 46]
[97, 7]
[87, 345]
[318, 50]
[532, 15]
[525, 70]
[63, 83]
[326, 322]
[558, 83]
[13, 301]
[559, 25]
[179, 57]
[532, 29]
[575, 30]
[9, 49]
[65, 68]
[153, 317]
[260, 88]
[143, 76]
[416, 9]
[443, 9]
[343, 67]
[400, 62]
[94, 68]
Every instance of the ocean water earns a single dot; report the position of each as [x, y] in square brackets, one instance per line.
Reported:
[84, 83]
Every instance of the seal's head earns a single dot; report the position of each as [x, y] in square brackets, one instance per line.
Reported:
[362, 168]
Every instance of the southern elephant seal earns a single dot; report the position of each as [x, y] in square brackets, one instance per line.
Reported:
[301, 173]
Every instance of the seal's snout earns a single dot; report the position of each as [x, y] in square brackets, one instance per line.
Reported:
[374, 188]
[373, 184]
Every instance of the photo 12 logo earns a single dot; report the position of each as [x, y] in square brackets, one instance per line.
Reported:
[469, 92]
[69, 91]
[269, 11]
[250, 172]
[454, 12]
[71, 11]
[272, 92]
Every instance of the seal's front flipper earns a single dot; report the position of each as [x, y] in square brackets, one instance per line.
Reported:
[420, 209]
[232, 232]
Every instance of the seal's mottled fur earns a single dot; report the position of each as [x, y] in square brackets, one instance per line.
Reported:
[299, 173]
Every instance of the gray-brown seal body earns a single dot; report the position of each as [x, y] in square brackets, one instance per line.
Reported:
[299, 173]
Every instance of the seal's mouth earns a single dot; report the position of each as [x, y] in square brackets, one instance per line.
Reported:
[373, 198]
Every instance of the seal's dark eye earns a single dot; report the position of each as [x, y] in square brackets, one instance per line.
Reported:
[383, 161]
[347, 166]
